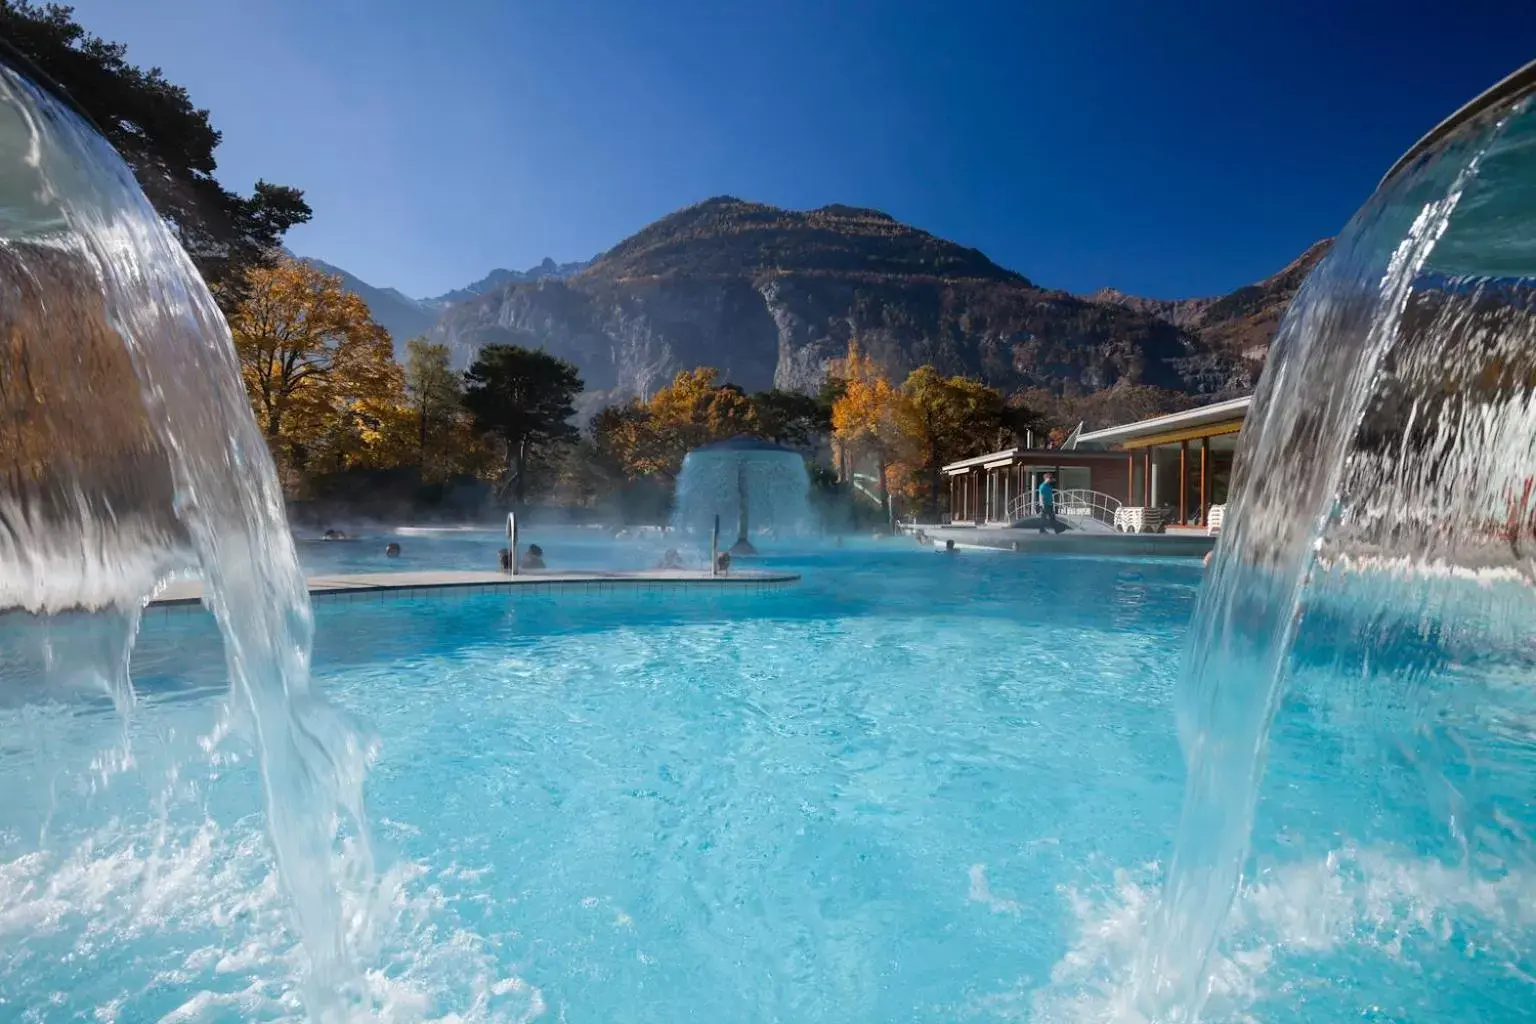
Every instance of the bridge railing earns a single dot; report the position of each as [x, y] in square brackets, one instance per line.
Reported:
[1075, 503]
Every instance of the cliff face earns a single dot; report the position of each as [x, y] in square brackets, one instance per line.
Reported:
[770, 296]
[1240, 325]
[1244, 322]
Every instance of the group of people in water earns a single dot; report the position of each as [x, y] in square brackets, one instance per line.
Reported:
[532, 558]
[391, 550]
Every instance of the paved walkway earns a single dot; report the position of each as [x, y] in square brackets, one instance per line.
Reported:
[1192, 544]
[191, 591]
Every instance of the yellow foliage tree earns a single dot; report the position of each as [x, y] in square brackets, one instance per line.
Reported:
[696, 409]
[321, 373]
[866, 418]
[651, 438]
[942, 420]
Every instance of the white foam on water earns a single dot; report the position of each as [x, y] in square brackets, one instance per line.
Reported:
[198, 906]
[981, 892]
[1376, 902]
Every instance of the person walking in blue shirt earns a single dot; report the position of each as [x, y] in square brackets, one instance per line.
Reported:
[1048, 503]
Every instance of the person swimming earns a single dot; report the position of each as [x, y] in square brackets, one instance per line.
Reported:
[533, 558]
[671, 560]
[392, 550]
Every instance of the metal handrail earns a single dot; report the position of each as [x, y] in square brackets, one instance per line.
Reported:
[1076, 503]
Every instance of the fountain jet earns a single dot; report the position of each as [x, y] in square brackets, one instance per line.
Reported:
[757, 483]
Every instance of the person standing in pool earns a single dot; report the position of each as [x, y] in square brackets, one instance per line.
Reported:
[1048, 503]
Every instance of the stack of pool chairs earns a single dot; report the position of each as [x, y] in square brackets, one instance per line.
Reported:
[1138, 519]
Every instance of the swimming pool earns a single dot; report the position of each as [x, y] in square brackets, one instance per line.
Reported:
[914, 787]
[475, 548]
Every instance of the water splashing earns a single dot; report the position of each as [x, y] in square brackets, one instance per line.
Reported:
[128, 450]
[1394, 432]
[751, 485]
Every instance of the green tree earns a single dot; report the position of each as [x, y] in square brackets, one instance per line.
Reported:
[435, 393]
[168, 143]
[525, 397]
[942, 420]
[792, 418]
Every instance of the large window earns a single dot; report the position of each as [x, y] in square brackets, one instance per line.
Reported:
[1075, 478]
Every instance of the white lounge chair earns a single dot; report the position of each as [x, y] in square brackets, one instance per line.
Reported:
[1214, 519]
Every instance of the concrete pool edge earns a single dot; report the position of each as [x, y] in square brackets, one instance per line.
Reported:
[1182, 544]
[189, 593]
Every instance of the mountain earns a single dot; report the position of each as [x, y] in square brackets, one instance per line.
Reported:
[404, 317]
[1244, 322]
[499, 277]
[772, 296]
[1240, 325]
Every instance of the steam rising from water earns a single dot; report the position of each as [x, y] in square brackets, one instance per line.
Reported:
[129, 450]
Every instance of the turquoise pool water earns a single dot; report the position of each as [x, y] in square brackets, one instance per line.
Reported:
[912, 788]
[472, 548]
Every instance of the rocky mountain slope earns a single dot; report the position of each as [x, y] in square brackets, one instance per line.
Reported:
[1241, 324]
[548, 268]
[404, 317]
[771, 296]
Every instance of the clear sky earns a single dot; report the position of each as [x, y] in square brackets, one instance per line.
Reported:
[1166, 148]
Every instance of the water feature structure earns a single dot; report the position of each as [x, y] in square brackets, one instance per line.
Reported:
[749, 483]
[127, 452]
[1379, 550]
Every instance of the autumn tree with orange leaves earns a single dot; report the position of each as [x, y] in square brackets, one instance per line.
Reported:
[651, 438]
[320, 372]
[866, 419]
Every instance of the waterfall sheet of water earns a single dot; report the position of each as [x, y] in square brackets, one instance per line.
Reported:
[1383, 486]
[753, 492]
[128, 450]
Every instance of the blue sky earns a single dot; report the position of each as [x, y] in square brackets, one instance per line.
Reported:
[1167, 149]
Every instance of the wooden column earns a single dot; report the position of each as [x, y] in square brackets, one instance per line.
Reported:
[1183, 482]
[1130, 478]
[1205, 489]
[1146, 477]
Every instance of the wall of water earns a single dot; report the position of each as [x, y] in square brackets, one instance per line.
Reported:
[776, 484]
[1383, 490]
[127, 449]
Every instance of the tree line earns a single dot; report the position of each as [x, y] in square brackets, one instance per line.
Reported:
[329, 395]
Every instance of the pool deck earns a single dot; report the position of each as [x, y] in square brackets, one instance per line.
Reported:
[1175, 543]
[189, 592]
